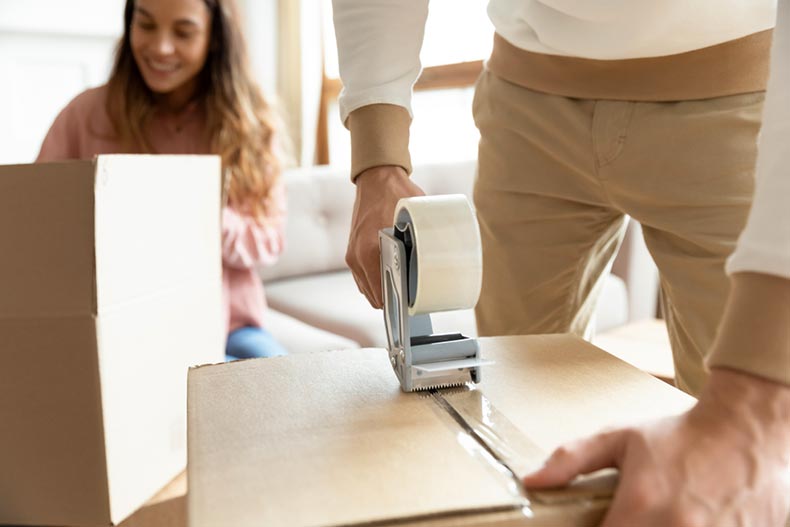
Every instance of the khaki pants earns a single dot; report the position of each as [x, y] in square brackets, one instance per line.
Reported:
[557, 177]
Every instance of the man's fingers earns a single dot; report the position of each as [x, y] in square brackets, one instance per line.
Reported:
[371, 264]
[365, 267]
[357, 271]
[359, 279]
[374, 296]
[581, 457]
[363, 284]
[378, 191]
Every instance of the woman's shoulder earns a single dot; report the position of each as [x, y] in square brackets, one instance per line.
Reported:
[85, 108]
[75, 129]
[89, 101]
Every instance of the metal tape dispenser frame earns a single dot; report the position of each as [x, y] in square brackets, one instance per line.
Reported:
[431, 261]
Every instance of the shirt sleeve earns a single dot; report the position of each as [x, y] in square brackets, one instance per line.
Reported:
[755, 332]
[379, 44]
[248, 242]
[764, 245]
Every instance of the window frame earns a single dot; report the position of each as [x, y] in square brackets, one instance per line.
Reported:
[444, 76]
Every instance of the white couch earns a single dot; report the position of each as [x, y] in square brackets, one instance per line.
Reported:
[314, 302]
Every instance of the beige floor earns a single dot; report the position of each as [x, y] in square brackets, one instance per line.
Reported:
[643, 344]
[167, 509]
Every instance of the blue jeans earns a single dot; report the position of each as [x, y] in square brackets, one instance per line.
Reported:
[250, 342]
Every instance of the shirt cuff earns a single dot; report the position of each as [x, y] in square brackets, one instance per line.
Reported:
[754, 335]
[379, 137]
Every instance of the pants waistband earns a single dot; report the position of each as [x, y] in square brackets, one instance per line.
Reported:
[731, 68]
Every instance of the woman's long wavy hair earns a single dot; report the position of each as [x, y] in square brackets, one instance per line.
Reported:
[240, 123]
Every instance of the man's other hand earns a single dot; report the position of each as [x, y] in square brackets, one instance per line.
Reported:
[725, 463]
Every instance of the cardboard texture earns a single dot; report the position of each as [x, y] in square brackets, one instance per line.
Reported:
[329, 439]
[110, 288]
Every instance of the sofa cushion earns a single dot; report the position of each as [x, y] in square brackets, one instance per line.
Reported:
[320, 202]
[298, 337]
[332, 302]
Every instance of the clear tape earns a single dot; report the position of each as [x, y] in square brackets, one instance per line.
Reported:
[445, 264]
[492, 439]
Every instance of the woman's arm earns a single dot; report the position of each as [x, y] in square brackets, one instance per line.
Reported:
[62, 139]
[59, 144]
[248, 242]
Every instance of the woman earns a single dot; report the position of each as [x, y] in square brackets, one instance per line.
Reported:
[181, 85]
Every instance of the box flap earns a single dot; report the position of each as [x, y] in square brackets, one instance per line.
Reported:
[329, 439]
[157, 217]
[557, 388]
[146, 349]
[159, 303]
[51, 449]
[324, 439]
[46, 235]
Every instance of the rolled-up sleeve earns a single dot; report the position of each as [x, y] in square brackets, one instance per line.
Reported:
[379, 44]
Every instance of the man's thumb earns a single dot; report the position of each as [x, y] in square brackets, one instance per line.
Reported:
[580, 457]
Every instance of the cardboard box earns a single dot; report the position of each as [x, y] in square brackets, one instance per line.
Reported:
[329, 439]
[110, 288]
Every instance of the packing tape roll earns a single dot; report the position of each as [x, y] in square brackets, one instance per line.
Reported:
[446, 264]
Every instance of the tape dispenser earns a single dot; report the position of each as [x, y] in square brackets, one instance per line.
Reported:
[431, 261]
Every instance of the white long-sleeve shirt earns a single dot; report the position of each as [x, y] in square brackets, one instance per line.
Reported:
[627, 29]
[764, 245]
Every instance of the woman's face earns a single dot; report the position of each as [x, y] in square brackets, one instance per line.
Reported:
[170, 41]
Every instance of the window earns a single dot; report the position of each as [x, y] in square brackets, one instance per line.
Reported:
[458, 36]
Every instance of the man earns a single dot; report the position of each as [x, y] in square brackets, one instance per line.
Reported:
[588, 111]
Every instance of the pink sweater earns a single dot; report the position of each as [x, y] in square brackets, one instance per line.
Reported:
[83, 130]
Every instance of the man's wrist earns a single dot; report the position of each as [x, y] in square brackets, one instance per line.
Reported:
[758, 408]
[380, 173]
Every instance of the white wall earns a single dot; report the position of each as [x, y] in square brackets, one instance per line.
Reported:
[50, 50]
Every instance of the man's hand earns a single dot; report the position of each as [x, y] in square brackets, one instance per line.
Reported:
[725, 463]
[378, 192]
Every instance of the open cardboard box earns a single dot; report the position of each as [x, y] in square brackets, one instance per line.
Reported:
[329, 439]
[110, 288]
